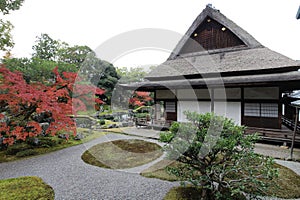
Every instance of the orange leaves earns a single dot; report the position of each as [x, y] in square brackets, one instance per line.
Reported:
[139, 98]
[23, 101]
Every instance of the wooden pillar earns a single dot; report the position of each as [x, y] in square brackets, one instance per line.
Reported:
[212, 100]
[295, 130]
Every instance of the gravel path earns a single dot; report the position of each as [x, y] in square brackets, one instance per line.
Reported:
[71, 178]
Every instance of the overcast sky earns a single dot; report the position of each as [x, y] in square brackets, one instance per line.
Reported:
[92, 22]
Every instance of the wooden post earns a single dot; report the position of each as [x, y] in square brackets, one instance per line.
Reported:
[295, 130]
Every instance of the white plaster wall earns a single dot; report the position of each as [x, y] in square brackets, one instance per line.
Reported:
[230, 110]
[197, 106]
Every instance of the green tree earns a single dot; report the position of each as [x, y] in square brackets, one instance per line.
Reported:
[218, 157]
[6, 41]
[46, 48]
[104, 75]
[74, 54]
[36, 69]
[136, 74]
[8, 5]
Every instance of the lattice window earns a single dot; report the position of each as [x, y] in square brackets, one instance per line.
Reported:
[269, 110]
[252, 109]
[170, 106]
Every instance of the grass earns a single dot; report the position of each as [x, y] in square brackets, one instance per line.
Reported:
[25, 188]
[158, 170]
[90, 135]
[286, 186]
[122, 154]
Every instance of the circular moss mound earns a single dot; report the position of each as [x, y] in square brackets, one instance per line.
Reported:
[29, 187]
[121, 154]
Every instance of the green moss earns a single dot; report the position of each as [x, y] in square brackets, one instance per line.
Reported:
[287, 185]
[158, 170]
[191, 193]
[47, 147]
[25, 188]
[122, 154]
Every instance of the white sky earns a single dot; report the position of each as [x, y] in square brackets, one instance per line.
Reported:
[92, 22]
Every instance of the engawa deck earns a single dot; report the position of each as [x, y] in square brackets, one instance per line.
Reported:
[275, 135]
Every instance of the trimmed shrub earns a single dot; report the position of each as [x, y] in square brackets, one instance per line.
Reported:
[141, 115]
[217, 156]
[166, 136]
[102, 122]
[28, 152]
[47, 142]
[18, 147]
[174, 127]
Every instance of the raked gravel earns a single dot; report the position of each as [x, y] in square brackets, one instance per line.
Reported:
[71, 178]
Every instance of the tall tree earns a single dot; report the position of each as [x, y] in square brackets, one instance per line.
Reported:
[22, 103]
[46, 48]
[74, 54]
[8, 5]
[136, 74]
[6, 41]
[36, 69]
[100, 73]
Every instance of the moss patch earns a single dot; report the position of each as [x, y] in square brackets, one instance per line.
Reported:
[58, 145]
[190, 193]
[158, 170]
[287, 185]
[122, 154]
[25, 188]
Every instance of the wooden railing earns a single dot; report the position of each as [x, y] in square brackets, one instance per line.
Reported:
[290, 123]
[275, 135]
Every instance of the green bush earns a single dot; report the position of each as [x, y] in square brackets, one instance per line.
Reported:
[28, 152]
[141, 115]
[15, 148]
[166, 136]
[216, 155]
[47, 142]
[174, 127]
[102, 122]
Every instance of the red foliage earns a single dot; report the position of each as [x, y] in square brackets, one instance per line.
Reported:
[21, 101]
[139, 99]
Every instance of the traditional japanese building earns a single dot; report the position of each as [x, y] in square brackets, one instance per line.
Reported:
[219, 67]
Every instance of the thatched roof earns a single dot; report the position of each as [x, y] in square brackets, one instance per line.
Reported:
[232, 61]
[251, 57]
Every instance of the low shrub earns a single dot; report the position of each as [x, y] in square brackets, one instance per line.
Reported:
[28, 152]
[174, 127]
[166, 136]
[141, 115]
[102, 122]
[47, 142]
[14, 149]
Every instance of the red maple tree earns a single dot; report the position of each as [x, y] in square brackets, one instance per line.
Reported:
[21, 102]
[139, 98]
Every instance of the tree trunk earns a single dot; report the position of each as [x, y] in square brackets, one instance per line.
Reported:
[204, 194]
